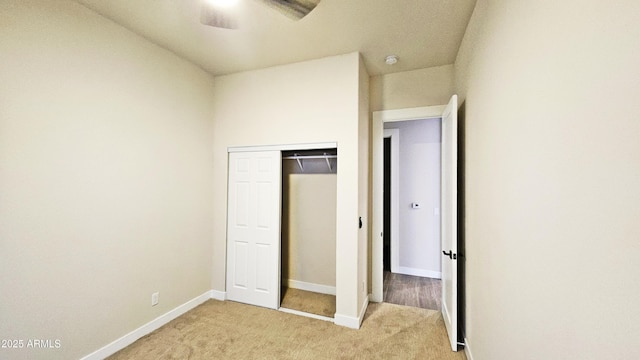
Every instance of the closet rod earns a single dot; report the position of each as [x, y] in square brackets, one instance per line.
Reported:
[296, 157]
[301, 157]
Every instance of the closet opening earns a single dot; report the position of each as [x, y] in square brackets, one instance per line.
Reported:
[308, 232]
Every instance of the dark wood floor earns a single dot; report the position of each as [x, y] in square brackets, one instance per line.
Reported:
[413, 291]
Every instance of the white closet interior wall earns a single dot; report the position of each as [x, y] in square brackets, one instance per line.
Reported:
[309, 221]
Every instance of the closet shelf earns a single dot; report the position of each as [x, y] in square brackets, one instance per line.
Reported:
[298, 158]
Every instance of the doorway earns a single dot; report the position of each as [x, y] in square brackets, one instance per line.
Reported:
[411, 227]
[448, 211]
[379, 119]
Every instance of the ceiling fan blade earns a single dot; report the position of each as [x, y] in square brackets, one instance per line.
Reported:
[227, 18]
[217, 17]
[295, 9]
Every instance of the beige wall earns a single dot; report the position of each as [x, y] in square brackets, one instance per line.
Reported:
[309, 240]
[105, 178]
[423, 87]
[308, 102]
[553, 182]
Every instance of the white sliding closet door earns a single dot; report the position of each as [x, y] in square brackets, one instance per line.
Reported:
[253, 228]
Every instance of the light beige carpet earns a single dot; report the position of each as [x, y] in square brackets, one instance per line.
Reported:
[309, 302]
[229, 330]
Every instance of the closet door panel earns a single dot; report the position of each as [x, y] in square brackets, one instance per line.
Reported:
[241, 261]
[265, 220]
[242, 204]
[263, 256]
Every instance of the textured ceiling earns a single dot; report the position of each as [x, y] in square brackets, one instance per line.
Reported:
[423, 33]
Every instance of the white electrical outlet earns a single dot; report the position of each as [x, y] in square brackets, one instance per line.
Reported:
[155, 298]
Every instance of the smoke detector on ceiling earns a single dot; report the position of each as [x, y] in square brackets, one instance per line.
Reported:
[391, 59]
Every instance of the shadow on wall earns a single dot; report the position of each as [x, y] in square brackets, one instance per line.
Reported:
[462, 254]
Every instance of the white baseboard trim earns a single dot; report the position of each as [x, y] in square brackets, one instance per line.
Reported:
[346, 321]
[350, 321]
[317, 288]
[419, 272]
[147, 328]
[219, 295]
[306, 314]
[467, 349]
[375, 299]
[363, 310]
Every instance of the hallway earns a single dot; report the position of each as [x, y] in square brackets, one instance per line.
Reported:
[421, 292]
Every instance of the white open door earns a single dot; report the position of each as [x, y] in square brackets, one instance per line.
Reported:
[253, 228]
[449, 219]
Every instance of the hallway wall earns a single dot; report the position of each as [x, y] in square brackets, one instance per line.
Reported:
[553, 182]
